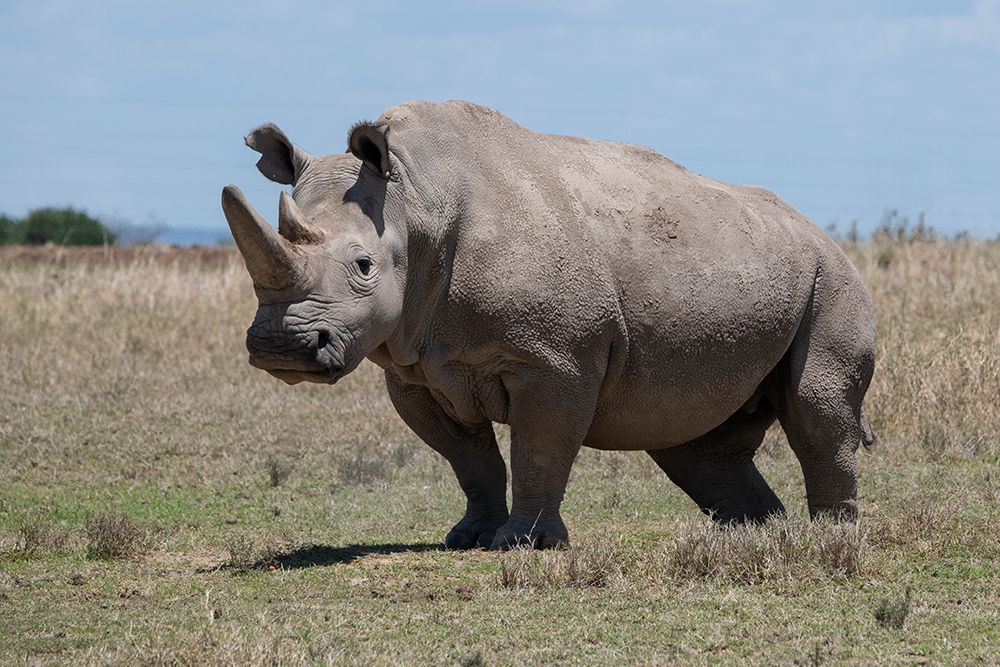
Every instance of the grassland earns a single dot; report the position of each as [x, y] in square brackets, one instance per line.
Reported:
[161, 501]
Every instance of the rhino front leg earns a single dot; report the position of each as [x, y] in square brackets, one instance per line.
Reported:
[540, 471]
[473, 455]
[549, 420]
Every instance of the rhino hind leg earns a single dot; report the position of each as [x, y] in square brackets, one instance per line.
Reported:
[717, 470]
[823, 381]
[824, 432]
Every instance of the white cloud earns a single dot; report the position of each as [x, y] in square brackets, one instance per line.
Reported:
[881, 38]
[980, 27]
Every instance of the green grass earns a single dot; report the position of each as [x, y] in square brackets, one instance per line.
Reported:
[126, 390]
[355, 574]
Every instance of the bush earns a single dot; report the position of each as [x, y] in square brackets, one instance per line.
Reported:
[62, 226]
[129, 233]
[245, 556]
[242, 555]
[7, 228]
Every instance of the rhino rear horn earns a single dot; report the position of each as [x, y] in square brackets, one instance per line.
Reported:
[292, 224]
[272, 262]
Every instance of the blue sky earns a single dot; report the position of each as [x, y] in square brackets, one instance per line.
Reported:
[842, 108]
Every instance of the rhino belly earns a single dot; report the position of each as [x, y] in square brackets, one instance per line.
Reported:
[695, 356]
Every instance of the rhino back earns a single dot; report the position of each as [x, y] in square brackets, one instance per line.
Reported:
[675, 294]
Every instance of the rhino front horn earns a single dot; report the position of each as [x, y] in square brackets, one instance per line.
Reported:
[272, 261]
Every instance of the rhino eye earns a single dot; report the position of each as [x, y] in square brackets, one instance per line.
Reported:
[365, 265]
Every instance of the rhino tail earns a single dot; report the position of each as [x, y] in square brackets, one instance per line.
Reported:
[868, 438]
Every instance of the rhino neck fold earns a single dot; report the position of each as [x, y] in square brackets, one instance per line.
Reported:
[431, 236]
[427, 284]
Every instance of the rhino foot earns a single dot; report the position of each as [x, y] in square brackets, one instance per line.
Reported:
[474, 531]
[551, 535]
[842, 512]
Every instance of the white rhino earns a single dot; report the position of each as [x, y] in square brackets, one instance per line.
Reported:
[586, 293]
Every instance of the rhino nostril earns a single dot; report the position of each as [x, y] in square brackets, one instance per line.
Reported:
[327, 353]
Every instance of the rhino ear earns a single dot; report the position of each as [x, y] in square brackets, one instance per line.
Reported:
[280, 160]
[369, 144]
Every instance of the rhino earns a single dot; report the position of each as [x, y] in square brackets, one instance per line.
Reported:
[585, 293]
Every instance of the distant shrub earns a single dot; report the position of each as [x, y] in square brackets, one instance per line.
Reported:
[893, 229]
[361, 470]
[245, 556]
[62, 226]
[896, 228]
[128, 233]
[7, 228]
[242, 555]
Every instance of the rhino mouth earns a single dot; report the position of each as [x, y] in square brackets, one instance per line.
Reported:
[325, 370]
[322, 355]
[292, 372]
[295, 377]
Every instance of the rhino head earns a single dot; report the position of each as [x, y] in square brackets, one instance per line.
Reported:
[329, 280]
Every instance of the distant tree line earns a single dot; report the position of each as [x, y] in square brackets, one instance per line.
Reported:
[62, 226]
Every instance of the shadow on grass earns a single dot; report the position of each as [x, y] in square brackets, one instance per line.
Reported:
[321, 555]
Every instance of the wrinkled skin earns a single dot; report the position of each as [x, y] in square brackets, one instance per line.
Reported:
[585, 293]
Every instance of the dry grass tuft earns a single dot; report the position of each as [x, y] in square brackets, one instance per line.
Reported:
[780, 549]
[245, 556]
[37, 536]
[841, 548]
[892, 613]
[592, 565]
[374, 464]
[219, 645]
[242, 555]
[278, 471]
[362, 470]
[924, 525]
[474, 660]
[114, 536]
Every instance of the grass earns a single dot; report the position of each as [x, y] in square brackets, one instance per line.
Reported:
[290, 525]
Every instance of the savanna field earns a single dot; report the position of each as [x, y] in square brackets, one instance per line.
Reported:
[163, 502]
